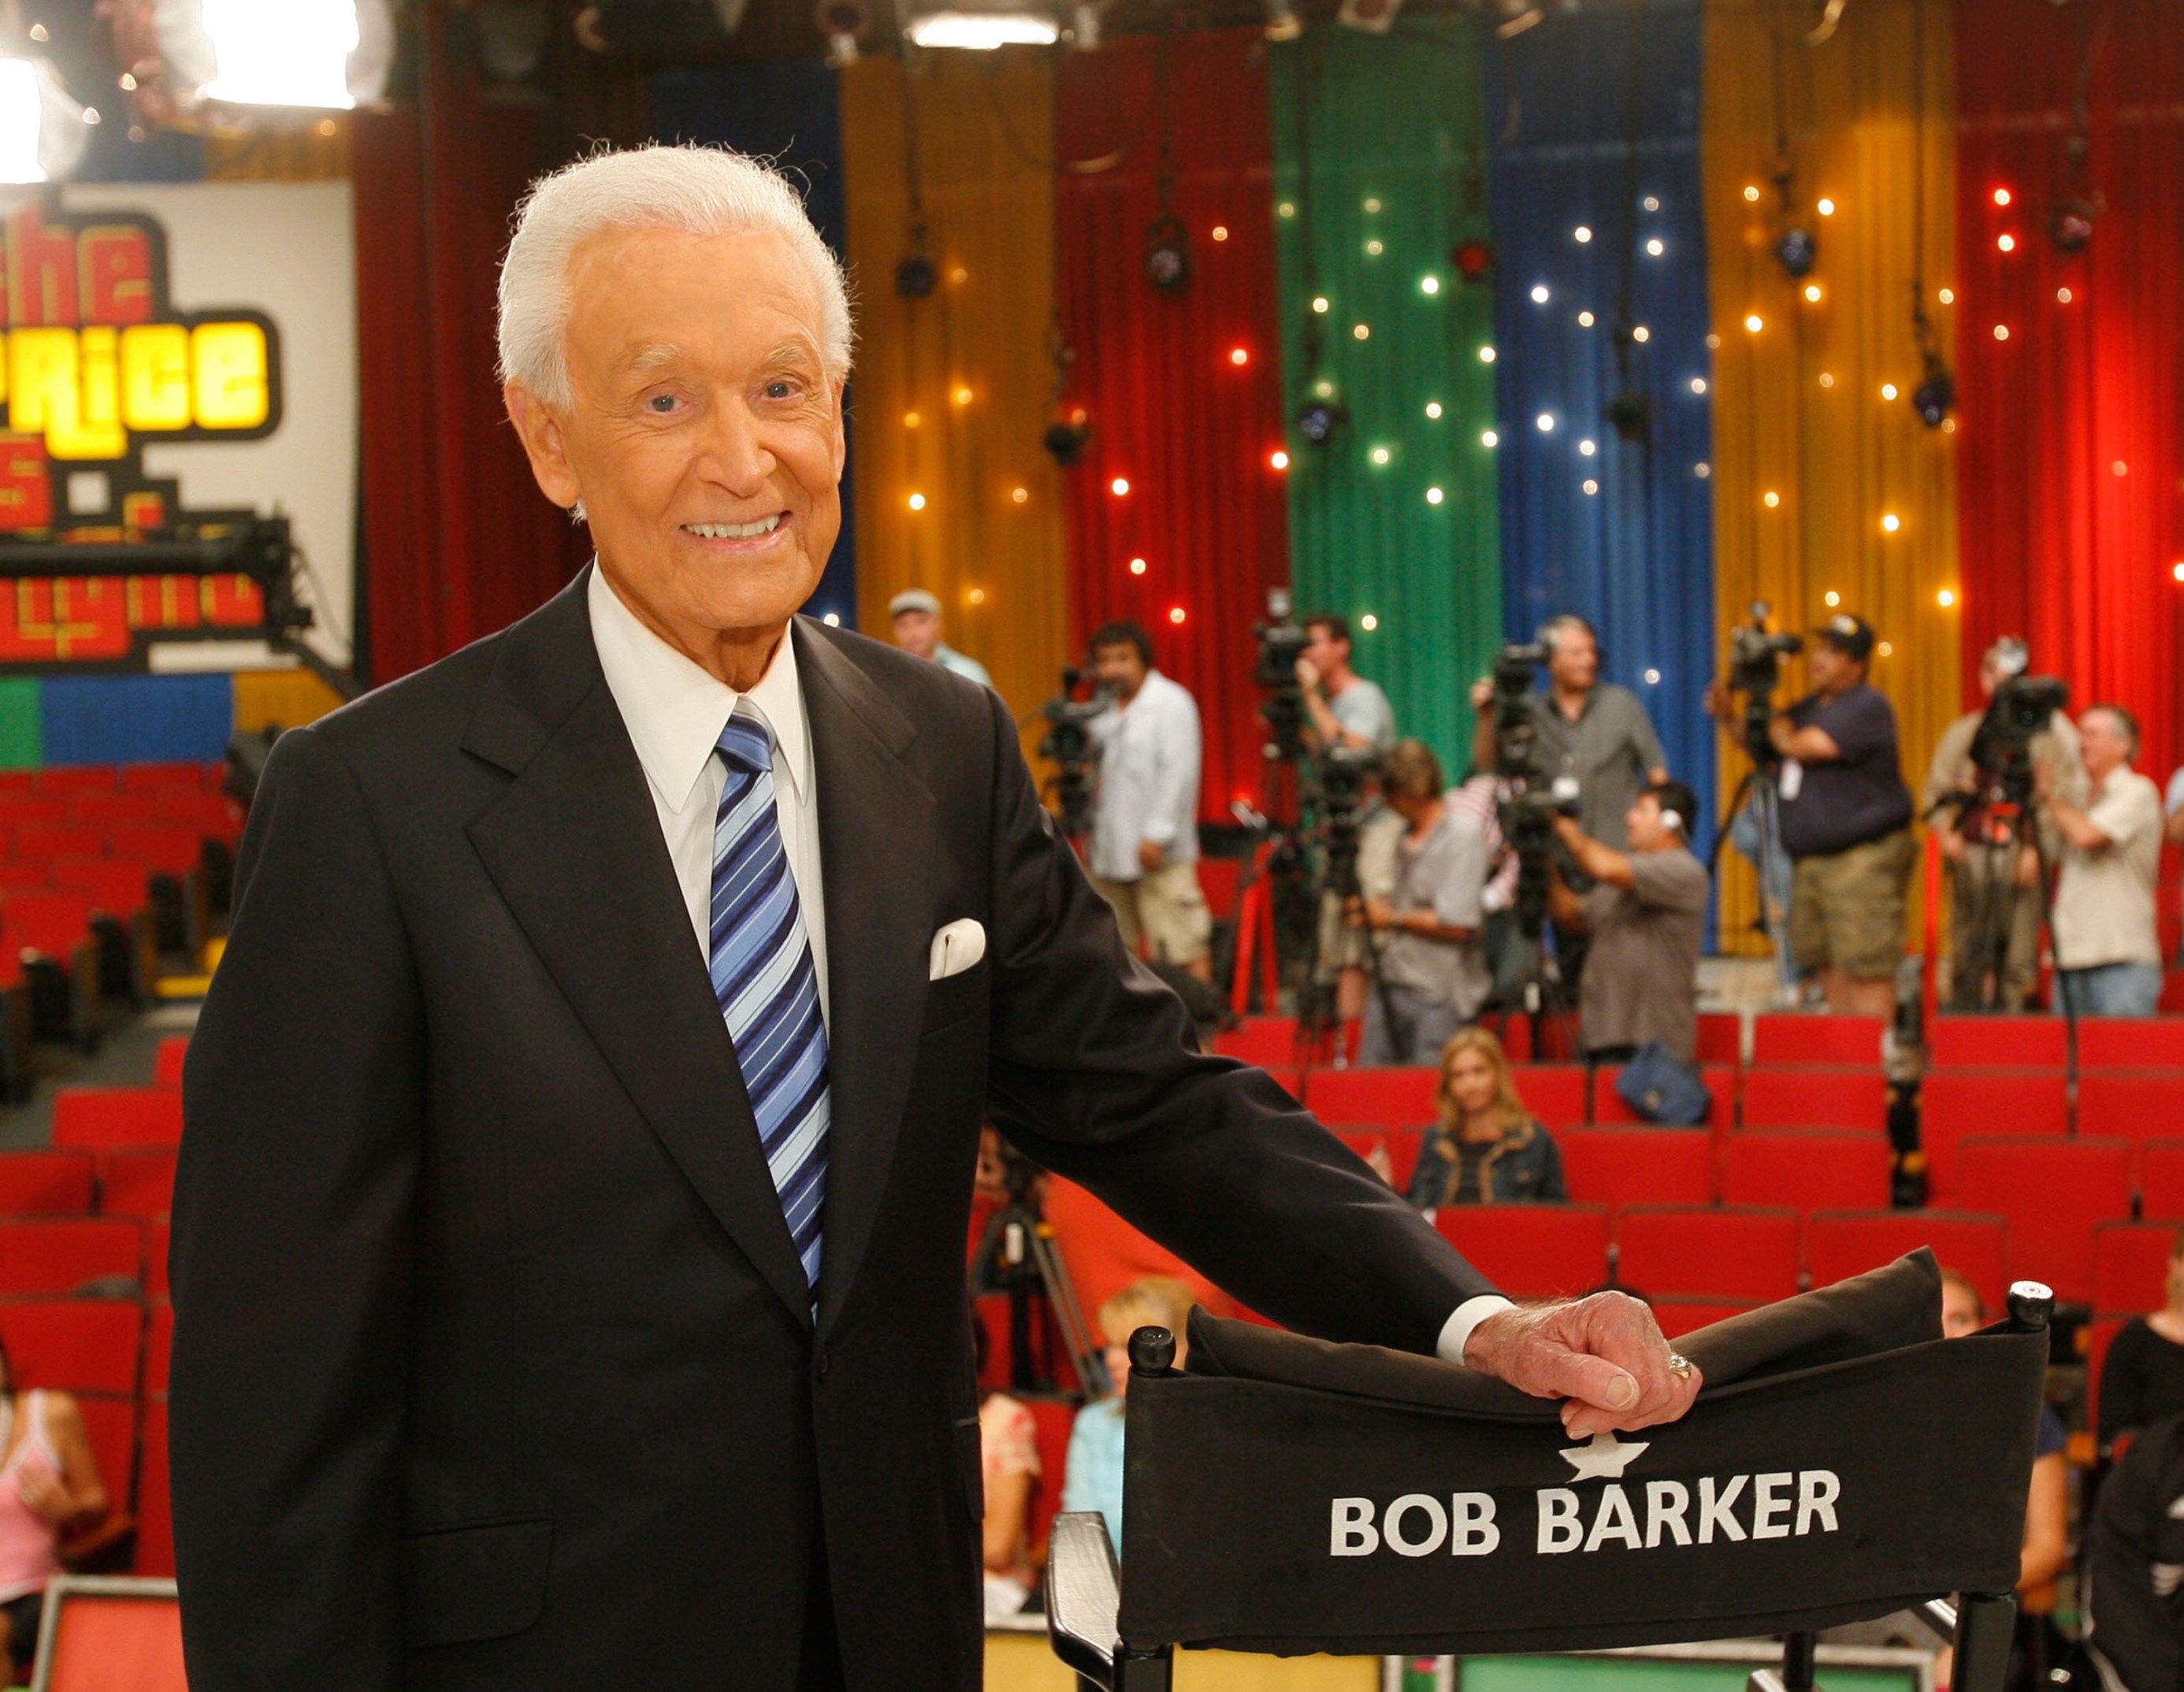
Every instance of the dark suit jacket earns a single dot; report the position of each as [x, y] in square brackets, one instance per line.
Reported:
[493, 1365]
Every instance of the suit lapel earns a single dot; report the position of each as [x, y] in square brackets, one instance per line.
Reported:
[875, 846]
[574, 846]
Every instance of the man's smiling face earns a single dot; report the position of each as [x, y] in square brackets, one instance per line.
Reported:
[704, 433]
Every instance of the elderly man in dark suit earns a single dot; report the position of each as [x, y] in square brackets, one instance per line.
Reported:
[568, 1263]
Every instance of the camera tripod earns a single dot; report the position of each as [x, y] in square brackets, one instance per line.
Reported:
[1016, 1254]
[1761, 787]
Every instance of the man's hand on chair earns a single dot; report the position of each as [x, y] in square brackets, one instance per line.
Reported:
[1604, 1356]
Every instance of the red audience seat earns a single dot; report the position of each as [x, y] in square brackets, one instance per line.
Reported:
[58, 1258]
[2001, 1043]
[21, 812]
[46, 844]
[155, 1259]
[1609, 1110]
[1375, 1097]
[76, 1345]
[2172, 993]
[45, 1183]
[1619, 1167]
[113, 886]
[2131, 1043]
[155, 1508]
[1789, 1037]
[1728, 1255]
[103, 1116]
[171, 850]
[1515, 1033]
[1955, 1104]
[1532, 1252]
[2161, 1180]
[1560, 1094]
[2130, 1266]
[1054, 1418]
[17, 877]
[1807, 1172]
[1399, 1146]
[111, 1422]
[1816, 1096]
[211, 816]
[1841, 1243]
[17, 783]
[137, 1181]
[167, 1071]
[102, 811]
[140, 778]
[1049, 1360]
[158, 1346]
[53, 923]
[2135, 1104]
[1266, 1041]
[75, 778]
[2053, 1192]
[1721, 1038]
[1679, 1317]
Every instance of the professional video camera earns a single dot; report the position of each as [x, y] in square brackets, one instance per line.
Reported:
[1532, 803]
[1282, 641]
[2002, 747]
[1756, 652]
[1068, 742]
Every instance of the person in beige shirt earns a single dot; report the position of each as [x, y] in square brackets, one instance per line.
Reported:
[2108, 943]
[1994, 868]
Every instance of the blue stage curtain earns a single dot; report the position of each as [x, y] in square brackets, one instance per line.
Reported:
[136, 719]
[1592, 119]
[788, 111]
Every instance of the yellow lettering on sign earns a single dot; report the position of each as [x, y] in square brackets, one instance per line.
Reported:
[45, 395]
[230, 386]
[155, 377]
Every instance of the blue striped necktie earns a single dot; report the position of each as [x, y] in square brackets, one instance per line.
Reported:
[764, 980]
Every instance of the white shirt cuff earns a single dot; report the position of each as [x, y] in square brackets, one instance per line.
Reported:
[1455, 1331]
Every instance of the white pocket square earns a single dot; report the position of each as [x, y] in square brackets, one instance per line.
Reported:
[957, 946]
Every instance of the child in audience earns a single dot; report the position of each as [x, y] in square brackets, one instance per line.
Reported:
[2142, 1381]
[1487, 1147]
[1095, 1478]
[49, 1487]
[1008, 1464]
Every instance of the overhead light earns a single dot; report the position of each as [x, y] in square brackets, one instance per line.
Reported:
[319, 54]
[984, 32]
[1283, 24]
[844, 23]
[42, 132]
[1375, 17]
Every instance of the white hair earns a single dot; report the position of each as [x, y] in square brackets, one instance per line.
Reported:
[700, 190]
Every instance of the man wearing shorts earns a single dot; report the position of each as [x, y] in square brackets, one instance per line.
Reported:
[1846, 824]
[1145, 808]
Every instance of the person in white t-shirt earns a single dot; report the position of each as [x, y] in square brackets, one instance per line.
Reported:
[2108, 943]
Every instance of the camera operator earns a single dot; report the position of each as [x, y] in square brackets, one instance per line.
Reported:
[1646, 916]
[1433, 973]
[915, 616]
[2108, 942]
[1144, 807]
[1343, 708]
[1994, 876]
[1846, 818]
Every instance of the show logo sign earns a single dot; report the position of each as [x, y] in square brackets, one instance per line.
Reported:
[96, 363]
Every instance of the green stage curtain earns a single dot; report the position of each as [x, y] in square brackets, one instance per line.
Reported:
[1379, 171]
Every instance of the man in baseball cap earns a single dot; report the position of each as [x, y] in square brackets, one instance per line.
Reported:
[917, 617]
[1846, 820]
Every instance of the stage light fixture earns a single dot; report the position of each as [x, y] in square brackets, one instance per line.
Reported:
[1066, 435]
[1474, 259]
[312, 54]
[2071, 227]
[1630, 415]
[982, 31]
[1167, 254]
[1937, 396]
[1798, 251]
[42, 134]
[1283, 24]
[915, 278]
[1318, 420]
[844, 23]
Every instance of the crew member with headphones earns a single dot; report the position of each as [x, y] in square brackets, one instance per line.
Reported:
[1645, 915]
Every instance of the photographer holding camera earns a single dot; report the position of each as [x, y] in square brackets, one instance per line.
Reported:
[1645, 918]
[1342, 707]
[1996, 898]
[1433, 973]
[1144, 807]
[2108, 940]
[1846, 820]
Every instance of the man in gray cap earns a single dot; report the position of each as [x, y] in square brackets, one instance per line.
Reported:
[917, 615]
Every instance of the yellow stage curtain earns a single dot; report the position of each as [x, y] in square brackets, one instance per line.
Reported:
[1864, 515]
[951, 392]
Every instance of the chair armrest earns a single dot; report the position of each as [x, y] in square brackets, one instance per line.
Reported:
[1084, 1596]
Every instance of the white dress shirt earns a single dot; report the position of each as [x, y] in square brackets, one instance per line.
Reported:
[674, 711]
[1148, 753]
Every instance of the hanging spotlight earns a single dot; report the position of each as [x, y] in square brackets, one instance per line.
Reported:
[1798, 251]
[1318, 418]
[1937, 396]
[1373, 17]
[314, 55]
[42, 132]
[1066, 434]
[844, 23]
[983, 30]
[1630, 415]
[1283, 24]
[1167, 254]
[2071, 227]
[1474, 259]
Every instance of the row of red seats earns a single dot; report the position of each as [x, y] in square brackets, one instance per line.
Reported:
[1777, 1038]
[1569, 1095]
[123, 1181]
[62, 780]
[2044, 1042]
[2136, 1106]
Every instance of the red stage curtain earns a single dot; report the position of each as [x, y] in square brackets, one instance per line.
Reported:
[2073, 513]
[1173, 411]
[458, 541]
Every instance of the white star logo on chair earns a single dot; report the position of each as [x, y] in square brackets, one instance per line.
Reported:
[1605, 1457]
